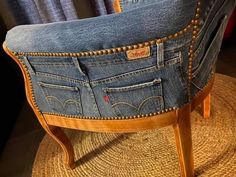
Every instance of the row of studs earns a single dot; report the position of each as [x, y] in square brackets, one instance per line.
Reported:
[114, 118]
[195, 23]
[106, 51]
[30, 85]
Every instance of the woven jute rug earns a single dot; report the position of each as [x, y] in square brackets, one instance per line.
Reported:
[151, 153]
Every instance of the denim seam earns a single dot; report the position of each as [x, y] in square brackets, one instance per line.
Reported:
[53, 76]
[202, 42]
[133, 87]
[51, 64]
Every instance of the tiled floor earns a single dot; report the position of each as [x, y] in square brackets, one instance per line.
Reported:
[18, 156]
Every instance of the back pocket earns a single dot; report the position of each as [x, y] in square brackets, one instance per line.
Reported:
[62, 99]
[137, 99]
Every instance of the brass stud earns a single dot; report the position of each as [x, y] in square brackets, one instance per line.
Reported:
[119, 49]
[158, 41]
[129, 47]
[181, 32]
[113, 50]
[124, 48]
[152, 42]
[99, 52]
[198, 10]
[170, 36]
[165, 39]
[141, 45]
[196, 22]
[135, 46]
[109, 51]
[146, 44]
[95, 52]
[104, 52]
[82, 54]
[90, 53]
[176, 35]
[151, 114]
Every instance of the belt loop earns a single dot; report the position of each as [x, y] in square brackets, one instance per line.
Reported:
[77, 65]
[29, 66]
[160, 54]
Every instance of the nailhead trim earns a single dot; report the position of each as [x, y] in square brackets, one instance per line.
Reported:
[195, 22]
[114, 118]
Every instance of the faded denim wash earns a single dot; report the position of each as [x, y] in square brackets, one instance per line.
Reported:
[114, 85]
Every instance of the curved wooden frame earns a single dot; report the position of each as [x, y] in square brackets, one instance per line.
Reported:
[179, 119]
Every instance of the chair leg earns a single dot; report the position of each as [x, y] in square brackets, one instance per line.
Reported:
[206, 107]
[59, 136]
[182, 130]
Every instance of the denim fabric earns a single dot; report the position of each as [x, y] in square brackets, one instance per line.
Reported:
[17, 12]
[213, 19]
[102, 7]
[103, 32]
[133, 4]
[114, 85]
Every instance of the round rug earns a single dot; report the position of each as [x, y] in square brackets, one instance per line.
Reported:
[151, 153]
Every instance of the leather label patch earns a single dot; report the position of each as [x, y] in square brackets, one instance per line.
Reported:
[138, 53]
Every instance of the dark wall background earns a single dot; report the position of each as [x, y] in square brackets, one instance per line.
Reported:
[12, 94]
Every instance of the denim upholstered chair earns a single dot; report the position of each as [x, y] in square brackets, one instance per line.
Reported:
[146, 67]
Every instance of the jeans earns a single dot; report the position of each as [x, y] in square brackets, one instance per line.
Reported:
[122, 65]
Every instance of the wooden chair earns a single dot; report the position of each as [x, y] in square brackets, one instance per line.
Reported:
[178, 118]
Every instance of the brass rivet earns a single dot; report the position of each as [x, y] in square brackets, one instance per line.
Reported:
[129, 47]
[95, 53]
[165, 39]
[109, 51]
[152, 42]
[158, 41]
[119, 49]
[124, 48]
[141, 45]
[135, 46]
[146, 43]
